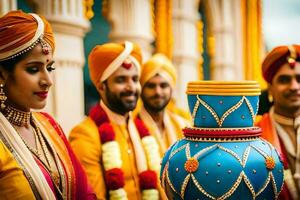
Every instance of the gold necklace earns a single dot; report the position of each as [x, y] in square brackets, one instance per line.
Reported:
[17, 117]
[54, 169]
[35, 151]
[49, 164]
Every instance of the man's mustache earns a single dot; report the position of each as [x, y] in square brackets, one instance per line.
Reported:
[156, 97]
[126, 94]
[291, 94]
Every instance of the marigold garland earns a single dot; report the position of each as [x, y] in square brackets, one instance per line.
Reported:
[270, 163]
[150, 146]
[143, 131]
[111, 156]
[114, 178]
[107, 133]
[148, 179]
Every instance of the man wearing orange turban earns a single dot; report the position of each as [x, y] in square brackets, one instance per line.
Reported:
[158, 79]
[121, 158]
[280, 126]
[36, 161]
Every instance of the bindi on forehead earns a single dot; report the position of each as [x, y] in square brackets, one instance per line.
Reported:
[127, 64]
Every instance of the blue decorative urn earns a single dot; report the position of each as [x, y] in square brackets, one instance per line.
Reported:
[222, 155]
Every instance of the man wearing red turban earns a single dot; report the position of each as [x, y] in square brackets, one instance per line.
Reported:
[281, 69]
[119, 155]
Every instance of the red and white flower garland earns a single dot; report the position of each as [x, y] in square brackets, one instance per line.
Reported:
[111, 156]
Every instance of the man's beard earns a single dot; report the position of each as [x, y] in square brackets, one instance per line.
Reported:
[116, 104]
[155, 108]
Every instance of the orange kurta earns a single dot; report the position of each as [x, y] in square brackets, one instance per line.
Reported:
[85, 141]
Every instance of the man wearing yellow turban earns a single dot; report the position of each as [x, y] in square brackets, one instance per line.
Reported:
[121, 159]
[280, 126]
[158, 78]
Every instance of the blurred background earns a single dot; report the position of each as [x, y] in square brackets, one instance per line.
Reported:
[206, 40]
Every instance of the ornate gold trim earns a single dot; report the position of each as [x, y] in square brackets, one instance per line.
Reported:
[170, 184]
[233, 188]
[249, 185]
[164, 174]
[200, 188]
[274, 185]
[197, 155]
[265, 185]
[184, 184]
[231, 153]
[245, 156]
[177, 150]
[241, 177]
[188, 151]
[226, 114]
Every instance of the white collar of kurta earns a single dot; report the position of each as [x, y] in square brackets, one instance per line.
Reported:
[25, 157]
[170, 130]
[288, 144]
[286, 140]
[116, 63]
[114, 117]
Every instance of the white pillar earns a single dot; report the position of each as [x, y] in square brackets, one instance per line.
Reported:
[69, 26]
[185, 53]
[226, 22]
[7, 5]
[132, 20]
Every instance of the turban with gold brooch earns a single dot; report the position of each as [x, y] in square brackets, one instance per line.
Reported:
[158, 64]
[105, 59]
[278, 57]
[20, 32]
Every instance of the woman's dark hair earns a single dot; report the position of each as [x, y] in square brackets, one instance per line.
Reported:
[9, 65]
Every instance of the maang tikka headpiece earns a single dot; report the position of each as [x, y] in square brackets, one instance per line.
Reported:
[292, 57]
[45, 46]
[3, 97]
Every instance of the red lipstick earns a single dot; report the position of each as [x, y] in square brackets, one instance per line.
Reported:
[42, 95]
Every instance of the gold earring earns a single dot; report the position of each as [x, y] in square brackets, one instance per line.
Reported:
[270, 98]
[3, 97]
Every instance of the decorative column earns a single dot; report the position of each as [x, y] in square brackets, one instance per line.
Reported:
[7, 5]
[226, 22]
[185, 50]
[69, 25]
[132, 20]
